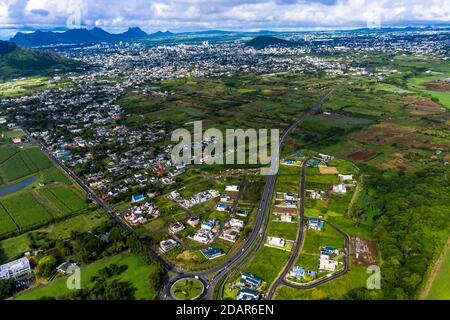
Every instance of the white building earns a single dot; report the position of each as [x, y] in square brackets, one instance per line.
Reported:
[279, 242]
[15, 269]
[345, 177]
[340, 188]
[325, 264]
[167, 245]
[232, 188]
[237, 223]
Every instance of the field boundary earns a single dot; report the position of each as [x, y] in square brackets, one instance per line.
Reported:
[434, 271]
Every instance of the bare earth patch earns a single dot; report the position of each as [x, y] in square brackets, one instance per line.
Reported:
[362, 155]
[328, 170]
[424, 107]
[187, 256]
[363, 252]
[442, 85]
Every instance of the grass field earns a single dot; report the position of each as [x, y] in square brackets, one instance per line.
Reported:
[26, 211]
[16, 246]
[440, 286]
[19, 163]
[267, 263]
[187, 289]
[34, 205]
[137, 273]
[356, 278]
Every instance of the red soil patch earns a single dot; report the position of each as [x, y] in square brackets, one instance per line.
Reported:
[442, 85]
[363, 252]
[424, 107]
[363, 155]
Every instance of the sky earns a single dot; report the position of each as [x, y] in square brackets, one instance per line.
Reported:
[190, 15]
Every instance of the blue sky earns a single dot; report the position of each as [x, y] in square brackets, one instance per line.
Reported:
[187, 15]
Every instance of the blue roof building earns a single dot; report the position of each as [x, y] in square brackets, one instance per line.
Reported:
[300, 273]
[63, 154]
[213, 253]
[208, 225]
[247, 294]
[222, 207]
[250, 280]
[297, 154]
[315, 223]
[315, 163]
[288, 161]
[137, 198]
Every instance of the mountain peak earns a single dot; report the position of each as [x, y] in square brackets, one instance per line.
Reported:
[135, 32]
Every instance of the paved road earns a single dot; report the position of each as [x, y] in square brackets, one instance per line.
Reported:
[333, 276]
[300, 233]
[257, 235]
[281, 280]
[94, 197]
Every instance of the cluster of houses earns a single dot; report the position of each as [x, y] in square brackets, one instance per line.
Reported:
[346, 181]
[326, 259]
[286, 207]
[301, 274]
[249, 286]
[139, 214]
[197, 198]
[232, 230]
[207, 232]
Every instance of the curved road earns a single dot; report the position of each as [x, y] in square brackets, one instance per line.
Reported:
[258, 231]
[255, 237]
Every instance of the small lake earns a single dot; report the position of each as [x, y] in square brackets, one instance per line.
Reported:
[18, 186]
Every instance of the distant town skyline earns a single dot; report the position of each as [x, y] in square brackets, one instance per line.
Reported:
[195, 15]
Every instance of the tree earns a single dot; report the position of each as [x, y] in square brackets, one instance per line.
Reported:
[46, 266]
[6, 288]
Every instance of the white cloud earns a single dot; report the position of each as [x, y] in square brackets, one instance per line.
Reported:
[233, 14]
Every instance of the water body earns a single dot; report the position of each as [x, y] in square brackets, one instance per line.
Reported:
[18, 186]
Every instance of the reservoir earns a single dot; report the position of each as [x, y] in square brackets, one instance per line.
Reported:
[18, 186]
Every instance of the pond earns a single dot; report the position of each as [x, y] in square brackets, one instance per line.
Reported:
[17, 186]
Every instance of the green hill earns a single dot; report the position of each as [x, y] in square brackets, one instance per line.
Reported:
[262, 42]
[16, 62]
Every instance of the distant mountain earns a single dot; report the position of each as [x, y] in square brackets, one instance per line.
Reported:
[160, 34]
[16, 62]
[133, 33]
[82, 36]
[262, 42]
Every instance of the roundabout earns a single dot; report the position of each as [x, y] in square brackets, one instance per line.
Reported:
[187, 288]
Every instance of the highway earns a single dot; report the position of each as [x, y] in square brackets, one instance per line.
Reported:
[256, 236]
[300, 233]
[281, 279]
[333, 276]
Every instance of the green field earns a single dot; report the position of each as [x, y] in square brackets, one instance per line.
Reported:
[52, 196]
[137, 273]
[15, 247]
[440, 288]
[26, 211]
[267, 263]
[19, 163]
[356, 278]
